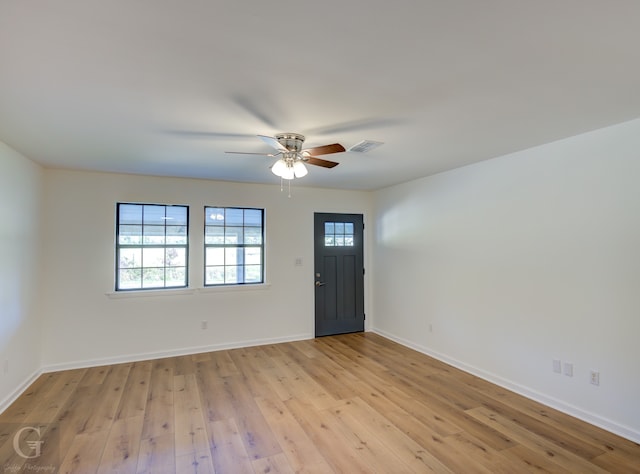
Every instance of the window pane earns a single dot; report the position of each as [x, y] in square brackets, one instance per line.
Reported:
[214, 235]
[214, 276]
[253, 235]
[214, 216]
[176, 257]
[154, 214]
[348, 240]
[130, 258]
[153, 257]
[176, 276]
[328, 241]
[215, 256]
[233, 216]
[252, 274]
[177, 234]
[130, 214]
[339, 228]
[153, 234]
[176, 215]
[339, 240]
[348, 228]
[130, 234]
[233, 235]
[130, 279]
[153, 277]
[231, 275]
[252, 256]
[233, 256]
[253, 217]
[329, 228]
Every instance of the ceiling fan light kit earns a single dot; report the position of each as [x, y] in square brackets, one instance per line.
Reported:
[289, 167]
[292, 158]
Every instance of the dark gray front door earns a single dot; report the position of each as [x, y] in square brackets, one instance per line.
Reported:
[339, 273]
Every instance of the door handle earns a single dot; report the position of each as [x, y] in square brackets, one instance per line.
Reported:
[320, 283]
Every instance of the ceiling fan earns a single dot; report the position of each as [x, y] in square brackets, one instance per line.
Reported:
[293, 158]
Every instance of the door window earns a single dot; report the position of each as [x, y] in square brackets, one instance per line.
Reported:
[338, 234]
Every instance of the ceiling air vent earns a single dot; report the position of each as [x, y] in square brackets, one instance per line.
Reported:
[365, 146]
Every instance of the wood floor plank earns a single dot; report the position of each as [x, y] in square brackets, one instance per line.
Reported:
[159, 409]
[156, 455]
[536, 443]
[198, 462]
[333, 443]
[107, 399]
[392, 437]
[277, 464]
[84, 453]
[135, 392]
[257, 436]
[122, 446]
[528, 460]
[189, 425]
[299, 449]
[338, 404]
[228, 449]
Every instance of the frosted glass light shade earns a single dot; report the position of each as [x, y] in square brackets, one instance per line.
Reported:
[299, 169]
[279, 167]
[287, 172]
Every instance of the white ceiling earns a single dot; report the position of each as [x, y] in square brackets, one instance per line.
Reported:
[165, 87]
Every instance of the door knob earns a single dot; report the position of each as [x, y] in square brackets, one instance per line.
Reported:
[320, 283]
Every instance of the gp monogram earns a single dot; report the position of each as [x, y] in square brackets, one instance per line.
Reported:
[35, 447]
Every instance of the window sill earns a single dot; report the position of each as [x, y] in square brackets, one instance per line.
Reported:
[116, 295]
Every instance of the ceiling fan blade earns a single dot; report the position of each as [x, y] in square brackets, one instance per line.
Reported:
[272, 142]
[320, 162]
[324, 150]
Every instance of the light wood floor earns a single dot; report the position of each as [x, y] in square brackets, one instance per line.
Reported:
[352, 403]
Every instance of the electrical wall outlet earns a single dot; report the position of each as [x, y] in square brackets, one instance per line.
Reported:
[594, 377]
[568, 369]
[557, 366]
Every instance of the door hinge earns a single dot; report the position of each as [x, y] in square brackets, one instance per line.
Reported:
[365, 316]
[363, 271]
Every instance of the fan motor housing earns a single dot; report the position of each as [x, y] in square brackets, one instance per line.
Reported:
[291, 141]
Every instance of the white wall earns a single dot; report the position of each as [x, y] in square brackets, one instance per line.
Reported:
[84, 326]
[519, 260]
[20, 336]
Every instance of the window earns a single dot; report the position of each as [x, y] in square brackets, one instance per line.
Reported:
[338, 234]
[233, 246]
[152, 246]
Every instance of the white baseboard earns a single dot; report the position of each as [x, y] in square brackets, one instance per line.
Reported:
[171, 353]
[591, 418]
[13, 396]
